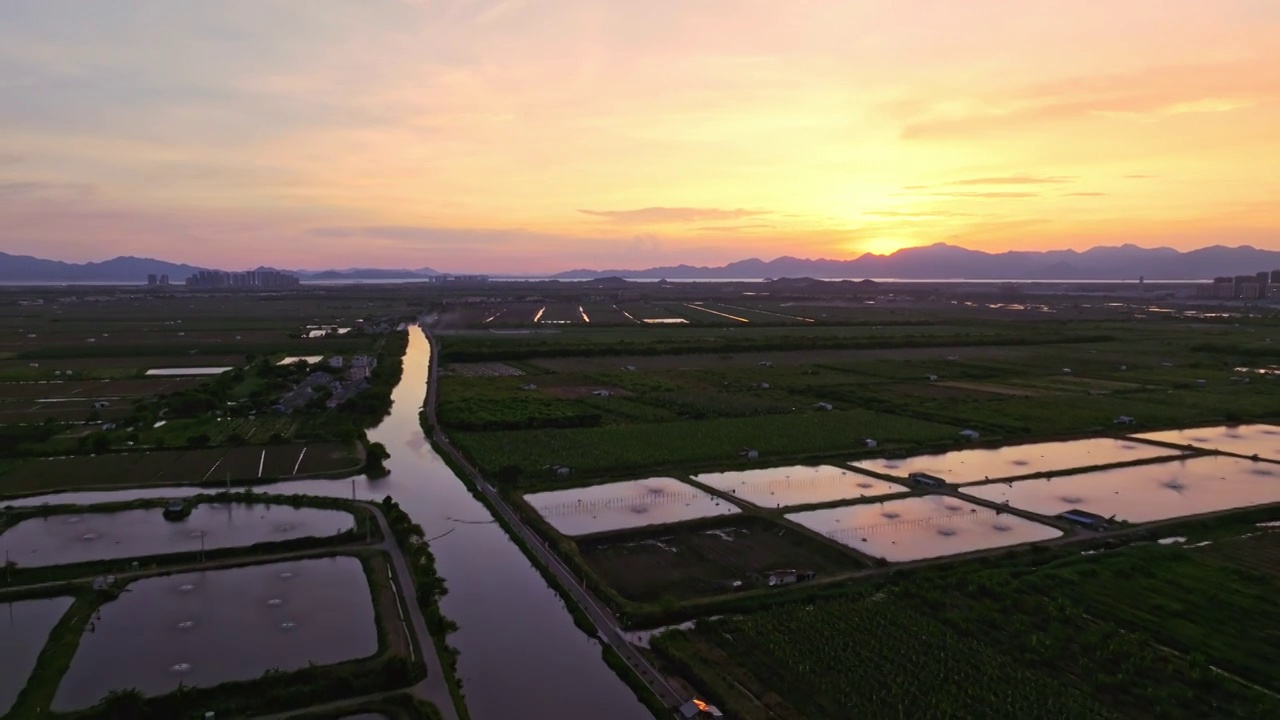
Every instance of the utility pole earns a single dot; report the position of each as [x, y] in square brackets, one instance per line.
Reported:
[202, 546]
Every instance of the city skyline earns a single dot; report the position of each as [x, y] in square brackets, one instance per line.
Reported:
[516, 137]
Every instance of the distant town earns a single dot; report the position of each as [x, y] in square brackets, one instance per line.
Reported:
[1261, 286]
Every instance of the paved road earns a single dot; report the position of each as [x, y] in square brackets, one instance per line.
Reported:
[434, 688]
[607, 626]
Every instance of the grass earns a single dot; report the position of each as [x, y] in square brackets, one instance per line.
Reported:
[1130, 633]
[624, 448]
[703, 559]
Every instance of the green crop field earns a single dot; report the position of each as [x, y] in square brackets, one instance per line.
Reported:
[1134, 633]
[620, 448]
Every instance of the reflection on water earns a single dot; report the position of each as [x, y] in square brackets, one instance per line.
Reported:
[966, 466]
[226, 628]
[24, 629]
[64, 539]
[1248, 440]
[521, 656]
[1147, 492]
[915, 528]
[797, 485]
[621, 505]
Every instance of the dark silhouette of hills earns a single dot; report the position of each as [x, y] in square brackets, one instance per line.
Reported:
[942, 262]
[24, 268]
[933, 262]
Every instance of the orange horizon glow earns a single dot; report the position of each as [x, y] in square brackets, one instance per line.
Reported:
[515, 136]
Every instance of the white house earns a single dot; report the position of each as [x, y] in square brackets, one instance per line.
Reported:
[361, 367]
[335, 362]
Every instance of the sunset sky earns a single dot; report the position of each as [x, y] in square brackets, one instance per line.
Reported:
[541, 135]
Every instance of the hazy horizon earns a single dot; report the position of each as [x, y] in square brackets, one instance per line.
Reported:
[512, 137]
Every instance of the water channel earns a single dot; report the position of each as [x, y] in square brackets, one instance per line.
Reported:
[520, 653]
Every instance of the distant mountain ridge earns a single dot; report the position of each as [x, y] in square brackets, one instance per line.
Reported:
[949, 262]
[128, 269]
[933, 262]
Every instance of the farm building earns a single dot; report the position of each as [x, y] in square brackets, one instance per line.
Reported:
[926, 479]
[561, 470]
[335, 362]
[1085, 518]
[822, 406]
[870, 443]
[969, 434]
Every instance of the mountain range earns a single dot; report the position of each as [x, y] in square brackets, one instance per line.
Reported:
[933, 262]
[949, 262]
[128, 269]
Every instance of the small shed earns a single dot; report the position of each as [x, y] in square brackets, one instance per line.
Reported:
[763, 386]
[931, 378]
[696, 708]
[1085, 518]
[1201, 382]
[749, 453]
[600, 393]
[870, 443]
[1124, 420]
[529, 386]
[970, 434]
[1066, 371]
[822, 406]
[926, 480]
[765, 363]
[628, 368]
[561, 470]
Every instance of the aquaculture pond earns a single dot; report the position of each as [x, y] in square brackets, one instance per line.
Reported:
[206, 628]
[622, 505]
[180, 371]
[915, 528]
[1147, 492]
[1248, 440]
[507, 616]
[24, 629]
[966, 466]
[66, 539]
[797, 485]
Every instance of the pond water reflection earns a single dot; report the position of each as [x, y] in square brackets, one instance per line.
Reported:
[205, 628]
[24, 629]
[915, 528]
[622, 505]
[966, 466]
[797, 485]
[1146, 492]
[85, 537]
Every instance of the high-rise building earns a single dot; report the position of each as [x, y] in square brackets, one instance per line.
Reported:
[1262, 280]
[152, 279]
[249, 279]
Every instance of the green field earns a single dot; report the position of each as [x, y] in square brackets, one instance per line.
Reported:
[1132, 633]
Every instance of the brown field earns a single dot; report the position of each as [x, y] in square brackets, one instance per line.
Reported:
[996, 389]
[706, 558]
[798, 357]
[482, 369]
[166, 467]
[30, 413]
[61, 389]
[574, 392]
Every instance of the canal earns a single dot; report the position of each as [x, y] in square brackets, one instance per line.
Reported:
[520, 654]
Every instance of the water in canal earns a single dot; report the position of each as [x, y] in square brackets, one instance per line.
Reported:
[521, 656]
[210, 627]
[74, 538]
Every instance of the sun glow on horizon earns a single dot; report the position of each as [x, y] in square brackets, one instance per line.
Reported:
[511, 136]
